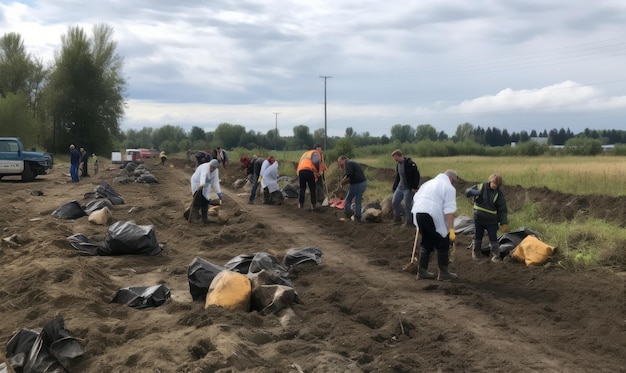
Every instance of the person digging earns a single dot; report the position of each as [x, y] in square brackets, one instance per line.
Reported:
[204, 180]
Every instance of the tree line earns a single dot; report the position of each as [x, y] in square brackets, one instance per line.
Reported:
[79, 98]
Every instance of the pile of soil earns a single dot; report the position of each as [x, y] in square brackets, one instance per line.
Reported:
[359, 312]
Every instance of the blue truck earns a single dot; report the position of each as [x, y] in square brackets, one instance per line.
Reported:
[15, 161]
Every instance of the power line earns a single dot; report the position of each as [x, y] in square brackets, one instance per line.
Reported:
[325, 114]
[276, 133]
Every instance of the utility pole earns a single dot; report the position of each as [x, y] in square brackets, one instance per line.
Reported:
[325, 115]
[276, 133]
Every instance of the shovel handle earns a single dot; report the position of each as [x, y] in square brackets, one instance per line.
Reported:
[417, 232]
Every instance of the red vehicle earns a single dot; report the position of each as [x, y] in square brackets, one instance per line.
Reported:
[145, 153]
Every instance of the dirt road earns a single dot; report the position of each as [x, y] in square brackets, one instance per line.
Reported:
[358, 311]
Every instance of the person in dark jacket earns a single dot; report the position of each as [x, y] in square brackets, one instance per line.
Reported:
[404, 187]
[353, 175]
[489, 212]
[74, 163]
[84, 158]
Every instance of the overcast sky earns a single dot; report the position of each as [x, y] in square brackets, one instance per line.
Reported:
[514, 64]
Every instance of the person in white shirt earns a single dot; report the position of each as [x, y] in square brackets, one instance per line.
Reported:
[205, 179]
[269, 182]
[433, 210]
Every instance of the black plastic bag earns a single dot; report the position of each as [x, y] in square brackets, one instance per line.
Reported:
[291, 191]
[97, 204]
[200, 273]
[84, 245]
[508, 241]
[70, 210]
[141, 297]
[104, 190]
[296, 256]
[51, 351]
[126, 237]
[147, 178]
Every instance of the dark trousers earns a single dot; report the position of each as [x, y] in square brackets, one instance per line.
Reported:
[480, 228]
[307, 177]
[84, 173]
[255, 185]
[431, 240]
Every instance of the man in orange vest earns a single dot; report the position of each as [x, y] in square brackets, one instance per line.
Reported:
[310, 168]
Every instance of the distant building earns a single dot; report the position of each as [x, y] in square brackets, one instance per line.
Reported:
[540, 140]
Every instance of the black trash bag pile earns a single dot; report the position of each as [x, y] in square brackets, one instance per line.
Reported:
[272, 291]
[71, 210]
[252, 263]
[141, 297]
[508, 241]
[200, 273]
[53, 350]
[133, 172]
[122, 238]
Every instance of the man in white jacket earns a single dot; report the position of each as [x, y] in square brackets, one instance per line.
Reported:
[434, 206]
[269, 182]
[205, 179]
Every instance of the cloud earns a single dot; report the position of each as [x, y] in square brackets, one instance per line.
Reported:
[509, 64]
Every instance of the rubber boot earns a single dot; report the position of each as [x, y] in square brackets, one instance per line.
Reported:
[422, 272]
[444, 275]
[476, 254]
[495, 252]
[205, 214]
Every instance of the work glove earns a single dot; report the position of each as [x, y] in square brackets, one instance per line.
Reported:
[504, 228]
[259, 179]
[452, 235]
[219, 195]
[200, 186]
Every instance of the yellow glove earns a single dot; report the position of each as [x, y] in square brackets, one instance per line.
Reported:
[259, 179]
[452, 235]
[504, 228]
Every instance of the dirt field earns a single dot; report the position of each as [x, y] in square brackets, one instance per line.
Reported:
[358, 313]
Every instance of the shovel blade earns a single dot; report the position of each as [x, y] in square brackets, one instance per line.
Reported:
[325, 202]
[411, 267]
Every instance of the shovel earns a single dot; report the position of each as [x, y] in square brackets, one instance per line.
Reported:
[452, 252]
[325, 202]
[413, 266]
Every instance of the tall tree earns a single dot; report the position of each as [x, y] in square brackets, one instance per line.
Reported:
[402, 133]
[229, 135]
[464, 132]
[197, 133]
[15, 64]
[425, 132]
[302, 137]
[86, 90]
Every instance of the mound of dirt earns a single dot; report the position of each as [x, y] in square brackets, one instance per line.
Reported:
[359, 312]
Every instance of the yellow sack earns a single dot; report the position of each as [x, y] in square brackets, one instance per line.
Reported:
[230, 290]
[532, 251]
